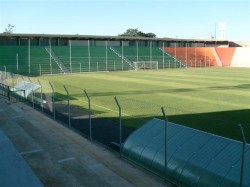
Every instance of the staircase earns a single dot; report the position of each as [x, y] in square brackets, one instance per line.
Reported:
[57, 60]
[171, 56]
[131, 64]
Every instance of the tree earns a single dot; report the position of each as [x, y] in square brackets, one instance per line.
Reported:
[130, 32]
[137, 33]
[151, 35]
[9, 29]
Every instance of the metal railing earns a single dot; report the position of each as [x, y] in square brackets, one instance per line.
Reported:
[109, 123]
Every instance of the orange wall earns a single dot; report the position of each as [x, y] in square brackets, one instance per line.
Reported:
[225, 55]
[193, 56]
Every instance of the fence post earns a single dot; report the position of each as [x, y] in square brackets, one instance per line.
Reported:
[53, 100]
[243, 155]
[32, 96]
[90, 125]
[68, 104]
[8, 92]
[120, 125]
[165, 142]
[41, 94]
[26, 96]
[5, 75]
[40, 69]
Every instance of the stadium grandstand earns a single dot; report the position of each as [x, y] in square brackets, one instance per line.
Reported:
[34, 54]
[176, 152]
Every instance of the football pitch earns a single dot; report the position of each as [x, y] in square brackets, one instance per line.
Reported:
[214, 100]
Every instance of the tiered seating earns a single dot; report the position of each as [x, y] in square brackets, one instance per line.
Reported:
[193, 56]
[9, 63]
[98, 58]
[169, 60]
[63, 53]
[144, 54]
[103, 62]
[39, 60]
[101, 58]
[84, 59]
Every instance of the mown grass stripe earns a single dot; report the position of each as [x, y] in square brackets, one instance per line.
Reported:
[191, 95]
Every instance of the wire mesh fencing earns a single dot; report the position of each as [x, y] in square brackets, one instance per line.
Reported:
[105, 117]
[92, 113]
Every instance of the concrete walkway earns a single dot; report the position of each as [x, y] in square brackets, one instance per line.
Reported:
[61, 157]
[10, 160]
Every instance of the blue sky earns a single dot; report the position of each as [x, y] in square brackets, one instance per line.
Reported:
[166, 18]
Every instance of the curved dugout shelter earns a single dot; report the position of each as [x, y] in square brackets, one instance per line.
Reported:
[194, 158]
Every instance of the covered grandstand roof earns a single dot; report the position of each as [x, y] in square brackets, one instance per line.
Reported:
[194, 158]
[94, 37]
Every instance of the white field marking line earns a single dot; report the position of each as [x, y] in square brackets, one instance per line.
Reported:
[113, 110]
[117, 111]
[30, 152]
[65, 159]
[108, 109]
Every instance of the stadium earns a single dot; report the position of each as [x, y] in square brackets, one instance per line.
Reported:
[98, 108]
[47, 54]
[83, 81]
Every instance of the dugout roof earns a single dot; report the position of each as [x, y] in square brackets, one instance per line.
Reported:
[194, 158]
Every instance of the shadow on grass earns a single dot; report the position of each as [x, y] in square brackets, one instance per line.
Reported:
[64, 97]
[179, 90]
[223, 123]
[106, 129]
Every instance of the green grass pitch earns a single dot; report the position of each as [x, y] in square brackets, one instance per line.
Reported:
[214, 100]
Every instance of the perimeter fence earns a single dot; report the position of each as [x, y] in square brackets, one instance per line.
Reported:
[107, 118]
[30, 60]
[92, 113]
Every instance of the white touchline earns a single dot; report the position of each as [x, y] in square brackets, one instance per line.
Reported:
[30, 152]
[66, 159]
[108, 109]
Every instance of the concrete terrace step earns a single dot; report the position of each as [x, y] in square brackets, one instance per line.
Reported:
[14, 171]
[60, 157]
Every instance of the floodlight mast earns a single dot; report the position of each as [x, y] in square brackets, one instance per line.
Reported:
[222, 28]
[215, 31]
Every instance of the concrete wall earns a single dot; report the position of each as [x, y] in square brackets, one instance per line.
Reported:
[241, 57]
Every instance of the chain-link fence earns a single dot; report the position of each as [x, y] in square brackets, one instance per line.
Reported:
[79, 107]
[90, 112]
[43, 60]
[107, 118]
